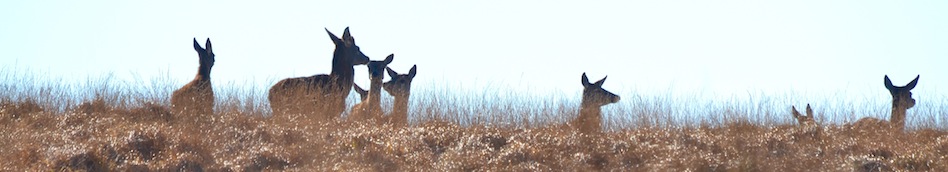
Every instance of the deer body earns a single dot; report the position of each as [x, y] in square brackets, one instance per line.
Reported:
[323, 95]
[371, 108]
[901, 101]
[590, 111]
[400, 88]
[197, 97]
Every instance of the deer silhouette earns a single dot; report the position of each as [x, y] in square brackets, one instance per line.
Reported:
[400, 88]
[370, 108]
[901, 101]
[197, 97]
[590, 111]
[322, 95]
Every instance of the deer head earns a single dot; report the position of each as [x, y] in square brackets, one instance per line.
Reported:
[346, 47]
[376, 68]
[901, 96]
[206, 58]
[595, 95]
[363, 94]
[400, 85]
[804, 120]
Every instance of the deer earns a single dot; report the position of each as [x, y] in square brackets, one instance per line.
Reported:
[804, 120]
[594, 97]
[807, 122]
[399, 87]
[901, 101]
[363, 98]
[321, 94]
[363, 94]
[197, 97]
[371, 108]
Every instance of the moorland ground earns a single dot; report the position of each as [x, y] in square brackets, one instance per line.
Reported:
[126, 126]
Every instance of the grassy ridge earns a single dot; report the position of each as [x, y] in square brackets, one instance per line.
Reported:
[106, 124]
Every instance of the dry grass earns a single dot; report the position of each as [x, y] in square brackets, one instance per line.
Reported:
[114, 126]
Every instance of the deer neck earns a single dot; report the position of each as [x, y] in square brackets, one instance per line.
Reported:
[375, 92]
[400, 105]
[589, 109]
[898, 116]
[342, 68]
[204, 74]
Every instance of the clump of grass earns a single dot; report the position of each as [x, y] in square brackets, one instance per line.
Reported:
[109, 125]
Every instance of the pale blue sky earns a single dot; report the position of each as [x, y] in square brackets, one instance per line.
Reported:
[723, 47]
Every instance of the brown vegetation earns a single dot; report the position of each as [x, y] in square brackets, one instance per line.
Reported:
[136, 139]
[124, 130]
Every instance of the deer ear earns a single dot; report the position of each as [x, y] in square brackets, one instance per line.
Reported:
[207, 46]
[347, 37]
[809, 111]
[796, 114]
[585, 80]
[335, 39]
[389, 58]
[358, 89]
[888, 83]
[391, 72]
[599, 83]
[911, 85]
[197, 46]
[362, 92]
[413, 71]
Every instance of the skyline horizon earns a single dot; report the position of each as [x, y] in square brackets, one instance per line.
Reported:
[692, 106]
